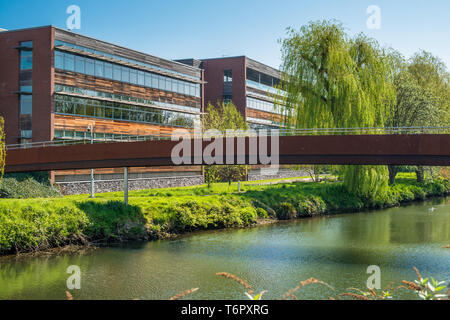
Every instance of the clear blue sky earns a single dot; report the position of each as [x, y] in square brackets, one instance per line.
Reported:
[210, 28]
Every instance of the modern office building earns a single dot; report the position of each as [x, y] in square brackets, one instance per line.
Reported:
[60, 85]
[249, 84]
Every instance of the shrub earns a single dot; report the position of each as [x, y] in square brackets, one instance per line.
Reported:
[22, 186]
[113, 220]
[311, 205]
[262, 213]
[261, 205]
[286, 211]
[26, 228]
[248, 215]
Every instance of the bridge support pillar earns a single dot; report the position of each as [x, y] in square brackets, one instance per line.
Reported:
[92, 184]
[125, 185]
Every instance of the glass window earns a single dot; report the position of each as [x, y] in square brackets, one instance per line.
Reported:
[68, 134]
[69, 62]
[26, 60]
[70, 107]
[132, 115]
[141, 78]
[227, 75]
[89, 67]
[154, 81]
[79, 135]
[108, 70]
[108, 112]
[148, 80]
[168, 84]
[133, 76]
[27, 44]
[79, 109]
[125, 114]
[117, 73]
[59, 60]
[100, 111]
[117, 114]
[79, 64]
[161, 83]
[99, 68]
[58, 133]
[25, 104]
[90, 110]
[26, 89]
[125, 74]
[26, 134]
[58, 106]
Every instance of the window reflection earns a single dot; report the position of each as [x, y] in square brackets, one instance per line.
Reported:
[120, 111]
[80, 64]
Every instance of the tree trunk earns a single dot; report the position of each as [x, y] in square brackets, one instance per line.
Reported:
[419, 173]
[392, 173]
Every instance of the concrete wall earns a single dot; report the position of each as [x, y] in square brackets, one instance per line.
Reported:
[257, 174]
[133, 184]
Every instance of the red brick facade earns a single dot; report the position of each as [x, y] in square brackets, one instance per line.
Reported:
[42, 82]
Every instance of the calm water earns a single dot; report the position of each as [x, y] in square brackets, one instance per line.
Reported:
[336, 249]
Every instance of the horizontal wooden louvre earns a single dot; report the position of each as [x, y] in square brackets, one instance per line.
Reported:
[73, 123]
[253, 113]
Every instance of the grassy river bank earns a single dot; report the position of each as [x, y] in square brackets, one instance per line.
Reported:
[37, 224]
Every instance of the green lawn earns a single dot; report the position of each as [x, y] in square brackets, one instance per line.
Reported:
[200, 190]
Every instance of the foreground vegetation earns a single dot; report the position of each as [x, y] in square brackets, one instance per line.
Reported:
[36, 224]
[28, 185]
[422, 288]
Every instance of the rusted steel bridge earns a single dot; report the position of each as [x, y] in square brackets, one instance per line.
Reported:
[375, 146]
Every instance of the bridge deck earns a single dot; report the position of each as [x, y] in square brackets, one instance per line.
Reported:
[408, 149]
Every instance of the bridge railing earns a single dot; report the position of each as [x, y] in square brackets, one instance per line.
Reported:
[366, 131]
[280, 132]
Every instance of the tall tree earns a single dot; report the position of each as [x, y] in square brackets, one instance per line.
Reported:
[223, 117]
[332, 81]
[432, 76]
[417, 103]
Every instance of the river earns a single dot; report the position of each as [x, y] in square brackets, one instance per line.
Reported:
[335, 249]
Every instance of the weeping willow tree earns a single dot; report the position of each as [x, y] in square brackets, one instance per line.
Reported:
[334, 81]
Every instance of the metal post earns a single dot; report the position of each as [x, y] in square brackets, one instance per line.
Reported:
[125, 185]
[92, 170]
[92, 184]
